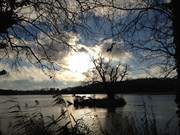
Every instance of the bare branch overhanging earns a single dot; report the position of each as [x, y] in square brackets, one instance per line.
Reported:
[54, 15]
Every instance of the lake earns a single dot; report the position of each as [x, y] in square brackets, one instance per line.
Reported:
[162, 107]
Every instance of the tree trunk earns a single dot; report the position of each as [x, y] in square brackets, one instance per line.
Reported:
[108, 90]
[176, 29]
[110, 95]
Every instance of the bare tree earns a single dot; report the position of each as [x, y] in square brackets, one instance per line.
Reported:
[149, 27]
[105, 70]
[152, 28]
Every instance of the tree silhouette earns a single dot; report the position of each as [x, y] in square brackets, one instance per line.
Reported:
[26, 23]
[155, 17]
[151, 26]
[106, 72]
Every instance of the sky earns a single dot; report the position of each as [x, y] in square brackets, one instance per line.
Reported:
[74, 62]
[73, 66]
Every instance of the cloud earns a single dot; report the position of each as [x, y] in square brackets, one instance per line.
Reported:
[34, 74]
[153, 71]
[74, 38]
[34, 78]
[70, 76]
[33, 85]
[24, 73]
[118, 53]
[62, 56]
[28, 12]
[52, 49]
[160, 71]
[30, 76]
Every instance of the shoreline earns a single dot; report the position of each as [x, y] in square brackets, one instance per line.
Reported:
[79, 93]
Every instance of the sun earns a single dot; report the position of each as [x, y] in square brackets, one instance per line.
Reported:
[79, 62]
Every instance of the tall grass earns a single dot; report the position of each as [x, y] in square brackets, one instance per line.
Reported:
[25, 123]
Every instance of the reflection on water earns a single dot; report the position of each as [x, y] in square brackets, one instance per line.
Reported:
[107, 120]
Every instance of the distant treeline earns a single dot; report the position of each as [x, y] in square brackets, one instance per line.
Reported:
[151, 85]
[51, 91]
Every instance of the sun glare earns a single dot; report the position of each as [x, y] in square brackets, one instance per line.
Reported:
[79, 62]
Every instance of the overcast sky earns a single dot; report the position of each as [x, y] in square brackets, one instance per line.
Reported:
[72, 64]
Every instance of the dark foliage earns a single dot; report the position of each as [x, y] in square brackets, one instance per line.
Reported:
[130, 86]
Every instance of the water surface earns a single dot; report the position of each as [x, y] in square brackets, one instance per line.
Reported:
[162, 106]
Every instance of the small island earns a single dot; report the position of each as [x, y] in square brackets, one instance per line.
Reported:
[80, 102]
